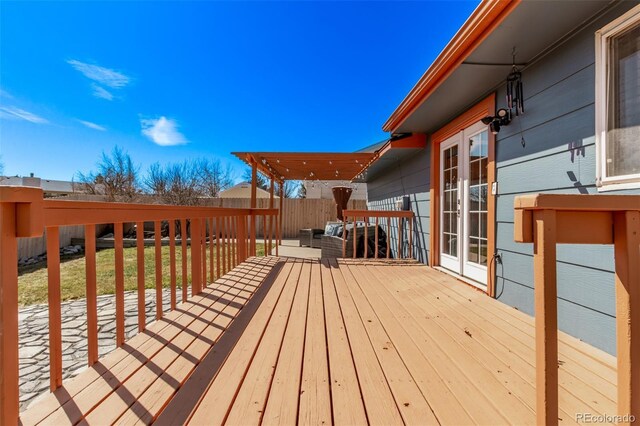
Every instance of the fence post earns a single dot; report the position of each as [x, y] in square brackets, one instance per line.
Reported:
[20, 216]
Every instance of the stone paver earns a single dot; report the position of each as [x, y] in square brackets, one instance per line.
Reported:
[33, 323]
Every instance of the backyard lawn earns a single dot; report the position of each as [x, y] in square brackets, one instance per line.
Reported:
[32, 280]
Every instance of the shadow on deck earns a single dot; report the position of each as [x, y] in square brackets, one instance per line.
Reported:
[281, 341]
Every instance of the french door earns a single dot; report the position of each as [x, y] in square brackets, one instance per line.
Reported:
[463, 206]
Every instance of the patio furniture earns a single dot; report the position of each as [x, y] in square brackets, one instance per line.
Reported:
[332, 244]
[341, 195]
[310, 237]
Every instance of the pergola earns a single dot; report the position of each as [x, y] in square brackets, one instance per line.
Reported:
[282, 166]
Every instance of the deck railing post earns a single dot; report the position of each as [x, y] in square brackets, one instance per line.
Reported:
[183, 243]
[344, 236]
[142, 318]
[20, 216]
[172, 262]
[546, 316]
[239, 240]
[92, 293]
[54, 308]
[157, 230]
[627, 284]
[252, 239]
[278, 240]
[119, 266]
[196, 269]
[8, 314]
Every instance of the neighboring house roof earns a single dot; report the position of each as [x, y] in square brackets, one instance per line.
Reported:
[480, 55]
[48, 185]
[243, 190]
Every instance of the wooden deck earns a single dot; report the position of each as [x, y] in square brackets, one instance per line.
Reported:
[284, 341]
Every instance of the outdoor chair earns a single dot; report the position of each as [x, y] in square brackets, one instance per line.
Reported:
[310, 237]
[331, 246]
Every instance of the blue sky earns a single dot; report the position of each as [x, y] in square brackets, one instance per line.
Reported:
[168, 81]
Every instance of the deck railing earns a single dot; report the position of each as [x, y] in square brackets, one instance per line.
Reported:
[376, 215]
[549, 219]
[24, 213]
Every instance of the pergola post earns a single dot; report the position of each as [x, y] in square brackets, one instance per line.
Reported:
[254, 185]
[271, 222]
[280, 212]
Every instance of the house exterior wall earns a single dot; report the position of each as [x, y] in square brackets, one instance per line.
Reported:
[558, 157]
[322, 189]
[408, 178]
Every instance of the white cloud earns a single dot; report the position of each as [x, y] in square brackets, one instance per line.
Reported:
[101, 92]
[15, 113]
[162, 131]
[93, 125]
[104, 76]
[5, 94]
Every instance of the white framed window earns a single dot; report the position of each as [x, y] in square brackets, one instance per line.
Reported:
[618, 103]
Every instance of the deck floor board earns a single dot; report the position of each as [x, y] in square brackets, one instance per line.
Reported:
[284, 341]
[581, 386]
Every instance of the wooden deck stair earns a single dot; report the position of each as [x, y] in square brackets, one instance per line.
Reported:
[280, 341]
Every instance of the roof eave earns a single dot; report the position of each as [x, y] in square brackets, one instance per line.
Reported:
[484, 19]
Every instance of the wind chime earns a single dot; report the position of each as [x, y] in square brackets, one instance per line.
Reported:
[515, 96]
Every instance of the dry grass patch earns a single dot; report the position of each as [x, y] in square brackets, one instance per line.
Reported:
[32, 279]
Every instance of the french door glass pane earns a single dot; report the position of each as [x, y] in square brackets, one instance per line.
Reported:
[450, 207]
[477, 199]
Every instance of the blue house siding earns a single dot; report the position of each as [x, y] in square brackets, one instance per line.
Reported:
[559, 156]
[409, 177]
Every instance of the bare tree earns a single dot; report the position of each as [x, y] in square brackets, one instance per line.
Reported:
[262, 181]
[302, 191]
[291, 187]
[214, 177]
[116, 177]
[188, 182]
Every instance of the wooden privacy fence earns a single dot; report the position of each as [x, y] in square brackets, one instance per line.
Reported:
[378, 217]
[550, 219]
[297, 213]
[24, 213]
